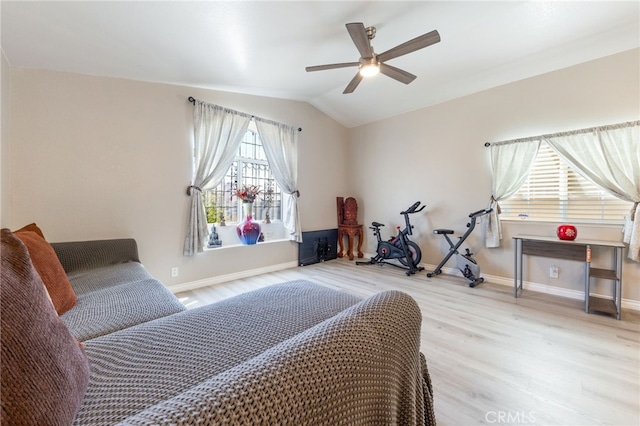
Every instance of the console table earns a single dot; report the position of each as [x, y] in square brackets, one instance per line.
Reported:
[579, 250]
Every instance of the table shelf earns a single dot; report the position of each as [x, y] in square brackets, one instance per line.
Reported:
[600, 304]
[606, 274]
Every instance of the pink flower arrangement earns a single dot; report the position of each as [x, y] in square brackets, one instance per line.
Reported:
[248, 194]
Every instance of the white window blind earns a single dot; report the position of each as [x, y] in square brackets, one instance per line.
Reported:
[554, 192]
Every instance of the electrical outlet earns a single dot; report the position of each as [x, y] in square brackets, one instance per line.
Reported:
[174, 272]
[553, 271]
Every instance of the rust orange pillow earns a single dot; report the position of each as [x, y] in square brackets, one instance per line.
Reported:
[48, 265]
[31, 227]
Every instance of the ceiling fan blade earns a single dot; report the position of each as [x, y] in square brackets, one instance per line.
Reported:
[397, 74]
[359, 36]
[332, 66]
[417, 43]
[353, 83]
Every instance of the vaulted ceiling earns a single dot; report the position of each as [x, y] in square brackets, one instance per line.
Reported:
[263, 47]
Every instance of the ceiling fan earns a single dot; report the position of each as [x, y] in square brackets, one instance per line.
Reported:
[371, 63]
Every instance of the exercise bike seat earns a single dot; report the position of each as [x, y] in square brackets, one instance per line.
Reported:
[377, 224]
[442, 231]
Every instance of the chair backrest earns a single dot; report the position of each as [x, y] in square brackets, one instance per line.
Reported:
[347, 211]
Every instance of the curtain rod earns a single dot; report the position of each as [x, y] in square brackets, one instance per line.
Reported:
[573, 132]
[193, 101]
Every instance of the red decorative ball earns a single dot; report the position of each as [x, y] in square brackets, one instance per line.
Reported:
[567, 232]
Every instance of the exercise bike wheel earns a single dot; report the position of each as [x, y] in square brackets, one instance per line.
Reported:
[416, 254]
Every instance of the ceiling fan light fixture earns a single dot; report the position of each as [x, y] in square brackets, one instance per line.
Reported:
[370, 68]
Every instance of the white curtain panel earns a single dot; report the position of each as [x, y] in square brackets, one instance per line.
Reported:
[280, 143]
[510, 165]
[217, 133]
[609, 157]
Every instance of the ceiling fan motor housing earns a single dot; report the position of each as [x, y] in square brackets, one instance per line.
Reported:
[371, 32]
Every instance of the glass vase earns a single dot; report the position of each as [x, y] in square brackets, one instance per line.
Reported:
[248, 229]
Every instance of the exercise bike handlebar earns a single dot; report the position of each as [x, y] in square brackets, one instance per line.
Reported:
[406, 213]
[413, 208]
[481, 212]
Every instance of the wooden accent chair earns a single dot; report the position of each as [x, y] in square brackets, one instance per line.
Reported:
[348, 225]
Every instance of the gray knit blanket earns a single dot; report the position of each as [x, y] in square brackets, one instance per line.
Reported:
[295, 353]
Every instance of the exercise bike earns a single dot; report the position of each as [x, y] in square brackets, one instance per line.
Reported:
[399, 247]
[464, 262]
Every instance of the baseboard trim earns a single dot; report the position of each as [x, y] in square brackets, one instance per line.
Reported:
[192, 285]
[495, 279]
[633, 305]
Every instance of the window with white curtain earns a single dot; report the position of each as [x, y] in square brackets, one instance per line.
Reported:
[554, 192]
[250, 167]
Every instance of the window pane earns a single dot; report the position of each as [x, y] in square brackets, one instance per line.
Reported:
[219, 203]
[554, 192]
[268, 201]
[249, 168]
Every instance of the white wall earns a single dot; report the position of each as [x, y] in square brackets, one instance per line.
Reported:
[437, 155]
[5, 108]
[96, 158]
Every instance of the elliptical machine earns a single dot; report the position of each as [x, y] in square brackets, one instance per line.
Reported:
[467, 265]
[399, 247]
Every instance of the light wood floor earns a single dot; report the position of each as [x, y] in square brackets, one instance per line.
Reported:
[494, 359]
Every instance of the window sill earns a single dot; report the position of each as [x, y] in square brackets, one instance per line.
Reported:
[273, 232]
[238, 244]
